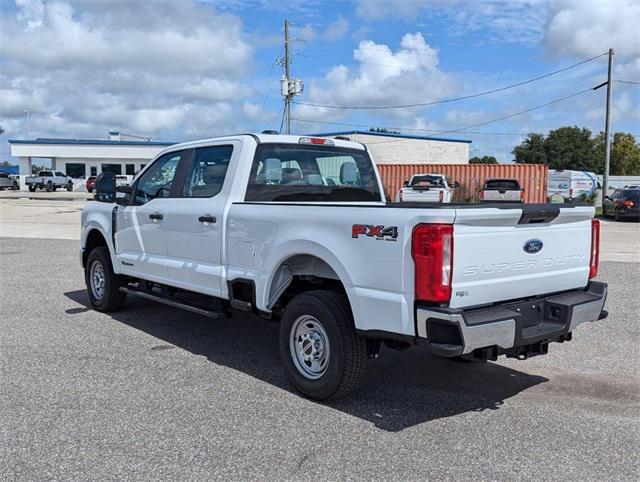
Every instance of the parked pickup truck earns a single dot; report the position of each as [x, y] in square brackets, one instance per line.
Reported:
[248, 223]
[501, 190]
[49, 180]
[426, 188]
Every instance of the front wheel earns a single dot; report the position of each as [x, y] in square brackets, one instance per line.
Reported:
[32, 188]
[323, 356]
[49, 186]
[103, 285]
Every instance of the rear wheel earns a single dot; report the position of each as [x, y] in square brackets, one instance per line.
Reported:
[103, 285]
[322, 354]
[32, 188]
[69, 186]
[15, 186]
[49, 186]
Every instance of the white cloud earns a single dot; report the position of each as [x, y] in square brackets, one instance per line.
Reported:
[592, 26]
[336, 30]
[155, 68]
[383, 77]
[515, 21]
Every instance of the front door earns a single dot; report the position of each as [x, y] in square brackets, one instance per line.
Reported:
[141, 241]
[194, 225]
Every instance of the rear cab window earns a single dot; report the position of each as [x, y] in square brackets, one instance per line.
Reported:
[502, 184]
[312, 173]
[427, 181]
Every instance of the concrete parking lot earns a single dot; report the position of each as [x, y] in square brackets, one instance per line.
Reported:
[152, 392]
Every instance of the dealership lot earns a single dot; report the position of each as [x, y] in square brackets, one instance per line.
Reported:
[152, 392]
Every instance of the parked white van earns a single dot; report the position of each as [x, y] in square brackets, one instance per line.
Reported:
[571, 184]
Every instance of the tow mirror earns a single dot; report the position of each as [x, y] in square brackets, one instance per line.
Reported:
[105, 187]
[123, 195]
[405, 184]
[456, 184]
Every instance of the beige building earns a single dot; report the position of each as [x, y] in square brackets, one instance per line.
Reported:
[389, 148]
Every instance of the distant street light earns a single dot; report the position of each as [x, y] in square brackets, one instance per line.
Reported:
[1, 130]
[28, 123]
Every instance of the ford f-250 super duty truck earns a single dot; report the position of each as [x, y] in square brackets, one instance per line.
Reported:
[250, 223]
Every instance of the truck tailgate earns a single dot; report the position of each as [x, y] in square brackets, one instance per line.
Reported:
[508, 254]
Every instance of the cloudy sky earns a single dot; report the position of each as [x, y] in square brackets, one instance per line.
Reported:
[179, 70]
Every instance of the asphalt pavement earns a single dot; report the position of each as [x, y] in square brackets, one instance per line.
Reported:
[151, 392]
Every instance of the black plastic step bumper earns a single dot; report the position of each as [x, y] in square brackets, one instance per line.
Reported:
[520, 329]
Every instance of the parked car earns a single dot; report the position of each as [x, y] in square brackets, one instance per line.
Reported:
[623, 203]
[8, 181]
[426, 188]
[502, 190]
[222, 225]
[572, 185]
[49, 180]
[90, 183]
[123, 179]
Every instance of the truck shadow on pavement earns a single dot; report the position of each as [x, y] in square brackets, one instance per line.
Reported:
[402, 389]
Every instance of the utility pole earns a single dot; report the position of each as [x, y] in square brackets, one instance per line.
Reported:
[287, 75]
[28, 122]
[607, 133]
[288, 87]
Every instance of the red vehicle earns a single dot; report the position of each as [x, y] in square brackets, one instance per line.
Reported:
[90, 182]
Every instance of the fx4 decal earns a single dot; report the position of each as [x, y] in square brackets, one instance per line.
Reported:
[389, 233]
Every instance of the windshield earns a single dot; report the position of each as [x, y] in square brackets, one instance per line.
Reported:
[427, 180]
[292, 172]
[506, 184]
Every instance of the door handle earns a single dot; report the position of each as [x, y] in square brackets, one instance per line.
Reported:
[156, 216]
[207, 219]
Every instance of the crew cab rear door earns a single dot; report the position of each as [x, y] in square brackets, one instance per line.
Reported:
[511, 253]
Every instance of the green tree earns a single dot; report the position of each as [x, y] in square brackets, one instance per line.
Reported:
[531, 150]
[572, 148]
[625, 154]
[483, 160]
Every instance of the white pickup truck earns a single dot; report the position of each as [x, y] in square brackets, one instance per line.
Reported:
[249, 223]
[49, 180]
[426, 188]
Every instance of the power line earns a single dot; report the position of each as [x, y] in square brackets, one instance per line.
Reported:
[628, 82]
[466, 128]
[265, 96]
[455, 99]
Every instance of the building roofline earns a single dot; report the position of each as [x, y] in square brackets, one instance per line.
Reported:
[89, 142]
[390, 134]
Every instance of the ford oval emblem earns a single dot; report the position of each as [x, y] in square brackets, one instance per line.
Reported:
[533, 246]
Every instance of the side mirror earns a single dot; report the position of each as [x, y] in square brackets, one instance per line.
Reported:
[123, 195]
[608, 197]
[456, 184]
[105, 187]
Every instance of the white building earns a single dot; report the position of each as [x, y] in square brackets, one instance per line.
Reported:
[393, 148]
[81, 158]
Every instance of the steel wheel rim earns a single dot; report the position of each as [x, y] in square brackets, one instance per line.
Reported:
[97, 280]
[309, 346]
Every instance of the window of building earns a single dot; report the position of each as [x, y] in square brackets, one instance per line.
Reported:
[94, 170]
[207, 171]
[130, 169]
[75, 170]
[114, 168]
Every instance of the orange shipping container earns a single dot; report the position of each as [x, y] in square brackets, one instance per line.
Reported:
[532, 178]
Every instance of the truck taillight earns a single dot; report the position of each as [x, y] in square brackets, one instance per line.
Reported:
[432, 252]
[570, 193]
[522, 195]
[595, 248]
[441, 196]
[628, 203]
[482, 195]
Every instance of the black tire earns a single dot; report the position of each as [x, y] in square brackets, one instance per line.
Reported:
[89, 191]
[69, 186]
[32, 188]
[15, 186]
[112, 298]
[49, 186]
[54, 188]
[347, 359]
